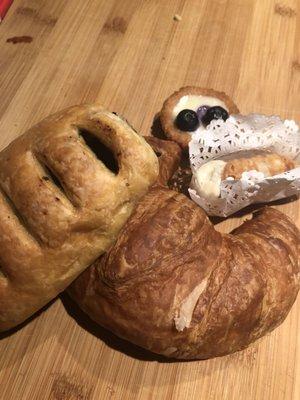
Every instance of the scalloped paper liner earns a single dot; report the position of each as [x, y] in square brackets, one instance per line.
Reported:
[240, 133]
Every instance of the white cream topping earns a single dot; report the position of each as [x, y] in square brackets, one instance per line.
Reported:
[207, 178]
[193, 102]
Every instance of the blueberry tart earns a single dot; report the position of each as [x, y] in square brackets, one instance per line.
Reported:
[191, 109]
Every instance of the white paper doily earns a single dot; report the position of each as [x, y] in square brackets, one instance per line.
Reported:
[240, 133]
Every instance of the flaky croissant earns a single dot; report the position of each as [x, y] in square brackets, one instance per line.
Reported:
[61, 207]
[174, 285]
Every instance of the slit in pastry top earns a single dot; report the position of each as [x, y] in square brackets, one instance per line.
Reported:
[100, 150]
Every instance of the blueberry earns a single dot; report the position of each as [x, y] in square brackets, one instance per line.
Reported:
[187, 120]
[214, 113]
[202, 110]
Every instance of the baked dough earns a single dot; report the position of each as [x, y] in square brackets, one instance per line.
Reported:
[269, 164]
[174, 285]
[207, 179]
[167, 117]
[54, 224]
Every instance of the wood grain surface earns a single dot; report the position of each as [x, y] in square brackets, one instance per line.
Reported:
[130, 55]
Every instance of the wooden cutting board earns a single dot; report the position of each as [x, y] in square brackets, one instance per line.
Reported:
[130, 55]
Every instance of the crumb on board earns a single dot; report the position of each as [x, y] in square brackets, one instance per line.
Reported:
[19, 39]
[284, 11]
[177, 17]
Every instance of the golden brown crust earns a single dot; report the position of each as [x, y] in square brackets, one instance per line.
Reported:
[174, 285]
[245, 283]
[49, 234]
[269, 164]
[169, 156]
[167, 123]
